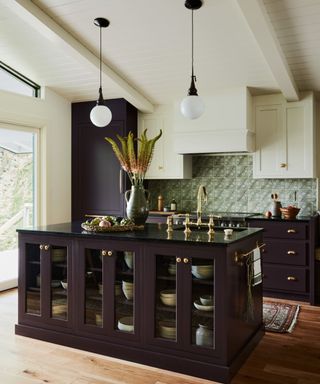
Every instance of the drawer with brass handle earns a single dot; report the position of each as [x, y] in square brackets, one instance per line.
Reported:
[285, 278]
[287, 252]
[282, 229]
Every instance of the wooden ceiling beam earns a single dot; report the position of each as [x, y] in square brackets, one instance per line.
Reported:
[260, 25]
[45, 25]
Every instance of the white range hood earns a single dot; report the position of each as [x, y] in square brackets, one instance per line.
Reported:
[226, 125]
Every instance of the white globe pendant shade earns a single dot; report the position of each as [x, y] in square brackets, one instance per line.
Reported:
[192, 107]
[100, 115]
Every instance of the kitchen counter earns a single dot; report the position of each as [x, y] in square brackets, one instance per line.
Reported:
[150, 233]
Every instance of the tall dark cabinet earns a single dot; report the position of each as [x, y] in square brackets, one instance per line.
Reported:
[98, 184]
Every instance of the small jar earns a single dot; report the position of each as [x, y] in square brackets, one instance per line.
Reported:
[204, 336]
[173, 205]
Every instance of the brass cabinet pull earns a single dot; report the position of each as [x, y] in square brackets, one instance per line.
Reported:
[103, 252]
[160, 167]
[291, 252]
[292, 278]
[109, 253]
[41, 246]
[283, 165]
[178, 259]
[185, 260]
[46, 247]
[291, 230]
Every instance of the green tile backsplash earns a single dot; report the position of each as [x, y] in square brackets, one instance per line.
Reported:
[230, 187]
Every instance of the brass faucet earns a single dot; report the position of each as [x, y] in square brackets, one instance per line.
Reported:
[201, 196]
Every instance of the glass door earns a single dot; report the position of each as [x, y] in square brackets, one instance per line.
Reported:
[45, 280]
[181, 299]
[18, 175]
[108, 288]
[33, 281]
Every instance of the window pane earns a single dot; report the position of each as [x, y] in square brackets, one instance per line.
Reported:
[10, 83]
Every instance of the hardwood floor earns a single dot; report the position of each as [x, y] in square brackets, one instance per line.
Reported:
[279, 358]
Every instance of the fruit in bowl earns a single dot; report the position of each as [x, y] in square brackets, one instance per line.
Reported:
[289, 212]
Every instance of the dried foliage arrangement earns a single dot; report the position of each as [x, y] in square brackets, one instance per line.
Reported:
[136, 165]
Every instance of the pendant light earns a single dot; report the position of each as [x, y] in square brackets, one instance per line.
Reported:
[100, 115]
[192, 106]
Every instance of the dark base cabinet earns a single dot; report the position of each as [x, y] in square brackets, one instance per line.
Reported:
[176, 306]
[289, 258]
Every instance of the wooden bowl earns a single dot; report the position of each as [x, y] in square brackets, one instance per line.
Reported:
[289, 213]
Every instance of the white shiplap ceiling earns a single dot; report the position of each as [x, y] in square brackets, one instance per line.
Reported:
[146, 49]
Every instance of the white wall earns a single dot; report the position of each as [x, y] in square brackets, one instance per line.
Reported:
[52, 116]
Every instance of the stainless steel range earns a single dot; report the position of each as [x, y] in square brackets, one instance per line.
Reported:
[222, 219]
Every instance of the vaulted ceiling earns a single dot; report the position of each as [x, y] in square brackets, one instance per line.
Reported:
[268, 45]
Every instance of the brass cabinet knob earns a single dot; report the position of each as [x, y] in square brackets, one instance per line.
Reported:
[103, 252]
[160, 168]
[109, 253]
[46, 247]
[292, 278]
[283, 165]
[186, 260]
[41, 246]
[291, 252]
[291, 230]
[178, 259]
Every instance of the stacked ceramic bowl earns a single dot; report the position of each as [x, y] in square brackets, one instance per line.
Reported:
[58, 254]
[167, 329]
[64, 284]
[117, 288]
[126, 324]
[168, 297]
[202, 271]
[172, 269]
[128, 258]
[98, 319]
[128, 289]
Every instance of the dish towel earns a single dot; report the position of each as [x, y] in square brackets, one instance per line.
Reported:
[256, 261]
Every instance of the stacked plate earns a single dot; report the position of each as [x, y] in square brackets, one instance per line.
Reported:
[126, 324]
[128, 289]
[202, 271]
[168, 297]
[167, 329]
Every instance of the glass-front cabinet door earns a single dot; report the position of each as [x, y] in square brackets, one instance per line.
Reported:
[108, 287]
[181, 300]
[45, 271]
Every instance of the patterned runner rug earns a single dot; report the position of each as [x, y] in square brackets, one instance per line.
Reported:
[279, 317]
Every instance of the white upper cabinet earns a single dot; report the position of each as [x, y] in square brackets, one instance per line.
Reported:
[165, 164]
[285, 137]
[225, 126]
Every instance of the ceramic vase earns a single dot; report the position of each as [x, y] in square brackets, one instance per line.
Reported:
[137, 204]
[204, 336]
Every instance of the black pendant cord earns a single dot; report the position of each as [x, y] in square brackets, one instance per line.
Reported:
[192, 90]
[100, 100]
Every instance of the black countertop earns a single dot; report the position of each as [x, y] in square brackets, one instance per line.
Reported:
[263, 217]
[151, 232]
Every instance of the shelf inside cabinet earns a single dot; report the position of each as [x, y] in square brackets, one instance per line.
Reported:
[35, 262]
